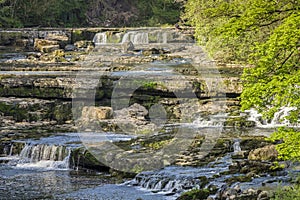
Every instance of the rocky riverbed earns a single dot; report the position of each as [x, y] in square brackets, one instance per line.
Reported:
[146, 108]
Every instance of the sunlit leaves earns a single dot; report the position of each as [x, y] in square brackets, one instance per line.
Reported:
[265, 34]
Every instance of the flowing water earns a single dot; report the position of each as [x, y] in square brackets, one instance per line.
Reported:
[41, 169]
[279, 119]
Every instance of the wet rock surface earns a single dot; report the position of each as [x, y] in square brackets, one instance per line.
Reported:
[48, 77]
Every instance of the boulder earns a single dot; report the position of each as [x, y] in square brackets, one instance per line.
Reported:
[45, 46]
[57, 37]
[265, 153]
[135, 111]
[70, 47]
[83, 44]
[96, 113]
[127, 46]
[263, 195]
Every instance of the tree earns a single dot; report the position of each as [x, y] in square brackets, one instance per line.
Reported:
[266, 35]
[8, 13]
[159, 12]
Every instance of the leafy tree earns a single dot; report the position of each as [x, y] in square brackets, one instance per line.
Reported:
[266, 35]
[7, 14]
[159, 12]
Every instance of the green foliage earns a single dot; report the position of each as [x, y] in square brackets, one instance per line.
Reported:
[158, 12]
[290, 148]
[70, 13]
[18, 13]
[287, 193]
[265, 34]
[231, 29]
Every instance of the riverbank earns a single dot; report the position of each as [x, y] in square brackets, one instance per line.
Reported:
[149, 97]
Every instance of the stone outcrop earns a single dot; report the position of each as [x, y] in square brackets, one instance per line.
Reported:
[265, 153]
[45, 46]
[96, 113]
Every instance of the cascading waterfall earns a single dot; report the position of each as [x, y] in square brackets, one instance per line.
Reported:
[211, 121]
[136, 37]
[11, 150]
[278, 120]
[100, 38]
[236, 146]
[43, 156]
[168, 180]
[162, 37]
[175, 179]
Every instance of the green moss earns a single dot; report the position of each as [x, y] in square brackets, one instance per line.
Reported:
[195, 194]
[158, 145]
[2, 77]
[150, 85]
[112, 37]
[152, 37]
[239, 122]
[77, 36]
[35, 92]
[241, 178]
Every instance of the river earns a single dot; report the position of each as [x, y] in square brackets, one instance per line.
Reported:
[147, 120]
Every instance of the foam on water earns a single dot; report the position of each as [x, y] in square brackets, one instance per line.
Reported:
[278, 120]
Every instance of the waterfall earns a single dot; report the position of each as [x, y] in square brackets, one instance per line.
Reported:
[100, 38]
[236, 146]
[162, 37]
[136, 37]
[159, 36]
[279, 118]
[11, 150]
[211, 121]
[44, 156]
[175, 179]
[165, 182]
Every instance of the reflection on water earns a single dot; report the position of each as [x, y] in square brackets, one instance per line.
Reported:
[17, 183]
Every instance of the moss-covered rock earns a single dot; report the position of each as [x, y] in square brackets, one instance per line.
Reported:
[263, 154]
[82, 158]
[195, 194]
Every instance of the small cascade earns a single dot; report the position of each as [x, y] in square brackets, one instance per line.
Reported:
[11, 150]
[100, 38]
[175, 179]
[166, 181]
[162, 37]
[212, 121]
[136, 37]
[43, 156]
[236, 146]
[278, 120]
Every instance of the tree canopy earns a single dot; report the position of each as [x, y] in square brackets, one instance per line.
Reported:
[77, 13]
[266, 35]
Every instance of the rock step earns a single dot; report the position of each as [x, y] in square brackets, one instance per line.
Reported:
[34, 110]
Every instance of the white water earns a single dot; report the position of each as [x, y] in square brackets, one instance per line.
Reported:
[43, 156]
[100, 38]
[162, 37]
[212, 121]
[236, 146]
[136, 37]
[175, 179]
[278, 120]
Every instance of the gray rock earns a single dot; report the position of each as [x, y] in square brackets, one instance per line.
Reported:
[70, 47]
[127, 46]
[265, 153]
[264, 195]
